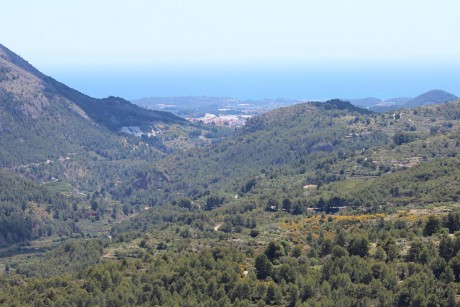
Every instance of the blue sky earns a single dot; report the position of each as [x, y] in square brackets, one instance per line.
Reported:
[290, 48]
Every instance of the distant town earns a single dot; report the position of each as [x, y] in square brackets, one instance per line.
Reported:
[234, 121]
[214, 110]
[232, 112]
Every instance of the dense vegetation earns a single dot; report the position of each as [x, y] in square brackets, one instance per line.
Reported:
[428, 183]
[356, 260]
[29, 210]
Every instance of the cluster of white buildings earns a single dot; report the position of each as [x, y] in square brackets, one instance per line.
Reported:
[222, 120]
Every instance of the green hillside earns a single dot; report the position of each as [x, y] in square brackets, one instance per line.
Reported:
[308, 144]
[29, 211]
[432, 183]
[294, 140]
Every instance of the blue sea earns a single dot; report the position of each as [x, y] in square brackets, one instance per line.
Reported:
[268, 83]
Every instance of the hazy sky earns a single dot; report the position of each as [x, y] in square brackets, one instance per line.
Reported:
[138, 37]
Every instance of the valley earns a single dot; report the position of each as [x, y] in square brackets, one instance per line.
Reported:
[313, 203]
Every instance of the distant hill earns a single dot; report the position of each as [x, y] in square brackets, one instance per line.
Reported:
[389, 104]
[384, 105]
[379, 105]
[397, 100]
[430, 97]
[365, 102]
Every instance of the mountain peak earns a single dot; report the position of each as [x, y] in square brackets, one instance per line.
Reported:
[29, 92]
[431, 97]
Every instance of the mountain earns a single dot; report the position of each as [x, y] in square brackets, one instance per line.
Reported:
[430, 97]
[42, 119]
[37, 91]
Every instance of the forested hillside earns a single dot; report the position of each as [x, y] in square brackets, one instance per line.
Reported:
[294, 139]
[316, 260]
[308, 144]
[29, 211]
